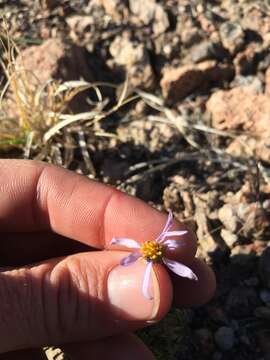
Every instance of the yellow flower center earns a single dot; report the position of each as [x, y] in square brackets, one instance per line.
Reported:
[151, 251]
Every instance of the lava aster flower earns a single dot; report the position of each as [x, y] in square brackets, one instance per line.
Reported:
[153, 251]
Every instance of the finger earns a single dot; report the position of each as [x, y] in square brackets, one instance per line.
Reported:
[121, 347]
[196, 293]
[38, 196]
[29, 247]
[83, 297]
[32, 354]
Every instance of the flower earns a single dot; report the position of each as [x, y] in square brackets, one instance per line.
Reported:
[153, 252]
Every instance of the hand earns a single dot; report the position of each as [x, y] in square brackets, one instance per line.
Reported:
[54, 278]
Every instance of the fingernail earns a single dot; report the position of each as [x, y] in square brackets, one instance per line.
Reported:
[125, 292]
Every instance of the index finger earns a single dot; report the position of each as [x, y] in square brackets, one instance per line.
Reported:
[38, 196]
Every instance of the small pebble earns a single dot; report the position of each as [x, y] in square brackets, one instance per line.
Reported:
[225, 338]
[265, 297]
[262, 312]
[252, 282]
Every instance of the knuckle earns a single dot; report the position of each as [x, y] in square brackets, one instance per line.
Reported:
[79, 288]
[19, 310]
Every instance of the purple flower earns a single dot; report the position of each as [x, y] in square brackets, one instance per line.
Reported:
[153, 252]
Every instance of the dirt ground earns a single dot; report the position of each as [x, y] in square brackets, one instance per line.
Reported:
[180, 117]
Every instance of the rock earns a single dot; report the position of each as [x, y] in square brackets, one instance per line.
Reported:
[252, 281]
[161, 21]
[252, 83]
[262, 312]
[150, 12]
[265, 296]
[205, 340]
[244, 146]
[55, 59]
[177, 83]
[267, 81]
[232, 36]
[256, 19]
[245, 62]
[79, 23]
[50, 4]
[141, 132]
[177, 197]
[229, 238]
[190, 36]
[264, 267]
[207, 245]
[117, 9]
[228, 216]
[135, 59]
[234, 109]
[225, 338]
[241, 301]
[144, 10]
[207, 50]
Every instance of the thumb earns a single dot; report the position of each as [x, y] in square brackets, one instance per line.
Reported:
[82, 297]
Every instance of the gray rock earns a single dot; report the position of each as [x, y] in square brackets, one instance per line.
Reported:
[251, 82]
[225, 338]
[208, 50]
[265, 296]
[262, 312]
[232, 36]
[241, 301]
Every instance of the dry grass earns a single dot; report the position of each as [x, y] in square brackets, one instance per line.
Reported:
[32, 113]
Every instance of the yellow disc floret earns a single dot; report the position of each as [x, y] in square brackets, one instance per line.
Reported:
[151, 251]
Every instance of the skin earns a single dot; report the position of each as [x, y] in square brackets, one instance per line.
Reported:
[60, 280]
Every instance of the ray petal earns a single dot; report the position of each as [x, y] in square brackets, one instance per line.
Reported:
[146, 281]
[175, 233]
[167, 226]
[130, 259]
[180, 269]
[173, 244]
[130, 243]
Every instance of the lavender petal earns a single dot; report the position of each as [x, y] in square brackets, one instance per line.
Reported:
[179, 269]
[130, 259]
[173, 244]
[174, 233]
[130, 243]
[146, 281]
[167, 227]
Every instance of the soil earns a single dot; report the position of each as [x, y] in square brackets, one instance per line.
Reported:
[195, 139]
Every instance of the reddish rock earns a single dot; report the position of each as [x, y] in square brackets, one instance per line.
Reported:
[54, 59]
[177, 83]
[247, 146]
[240, 109]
